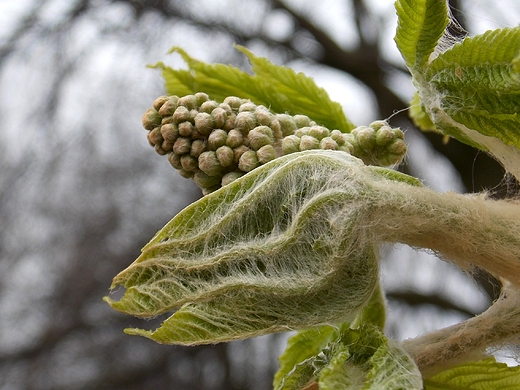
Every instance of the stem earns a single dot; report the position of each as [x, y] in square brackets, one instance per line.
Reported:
[465, 341]
[467, 230]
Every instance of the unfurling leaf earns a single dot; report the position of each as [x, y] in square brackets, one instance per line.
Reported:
[343, 358]
[420, 26]
[272, 251]
[284, 247]
[469, 90]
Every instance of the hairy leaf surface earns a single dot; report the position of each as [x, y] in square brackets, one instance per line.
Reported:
[345, 358]
[284, 247]
[469, 91]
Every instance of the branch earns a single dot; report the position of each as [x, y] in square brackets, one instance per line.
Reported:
[468, 340]
[417, 299]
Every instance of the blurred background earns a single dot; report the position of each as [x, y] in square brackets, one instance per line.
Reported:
[81, 191]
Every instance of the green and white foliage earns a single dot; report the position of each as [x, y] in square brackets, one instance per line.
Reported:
[299, 200]
[467, 89]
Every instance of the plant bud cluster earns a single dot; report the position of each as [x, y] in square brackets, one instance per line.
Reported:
[216, 143]
[378, 144]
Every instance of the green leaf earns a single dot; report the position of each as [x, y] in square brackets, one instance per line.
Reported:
[345, 358]
[217, 80]
[339, 374]
[267, 253]
[478, 85]
[297, 93]
[279, 88]
[302, 348]
[486, 374]
[392, 369]
[420, 25]
[286, 246]
[472, 93]
[375, 310]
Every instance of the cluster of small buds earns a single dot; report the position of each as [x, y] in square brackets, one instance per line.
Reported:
[378, 144]
[216, 143]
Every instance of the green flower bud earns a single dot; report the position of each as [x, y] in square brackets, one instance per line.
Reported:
[209, 164]
[216, 139]
[319, 132]
[247, 106]
[197, 147]
[302, 121]
[287, 123]
[204, 123]
[230, 122]
[225, 155]
[239, 151]
[397, 147]
[376, 125]
[159, 150]
[290, 144]
[307, 143]
[205, 181]
[230, 177]
[245, 121]
[248, 161]
[167, 146]
[242, 136]
[201, 98]
[263, 116]
[302, 131]
[185, 129]
[233, 102]
[328, 143]
[182, 145]
[157, 103]
[234, 138]
[347, 147]
[265, 154]
[181, 114]
[208, 106]
[366, 137]
[169, 132]
[226, 107]
[337, 136]
[151, 119]
[166, 120]
[219, 117]
[168, 107]
[384, 135]
[175, 160]
[155, 137]
[260, 136]
[188, 101]
[185, 174]
[189, 163]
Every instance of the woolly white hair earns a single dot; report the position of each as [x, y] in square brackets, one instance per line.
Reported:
[294, 244]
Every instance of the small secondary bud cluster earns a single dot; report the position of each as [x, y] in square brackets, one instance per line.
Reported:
[215, 143]
[378, 144]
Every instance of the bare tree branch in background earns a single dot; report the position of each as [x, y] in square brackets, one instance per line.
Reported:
[81, 191]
